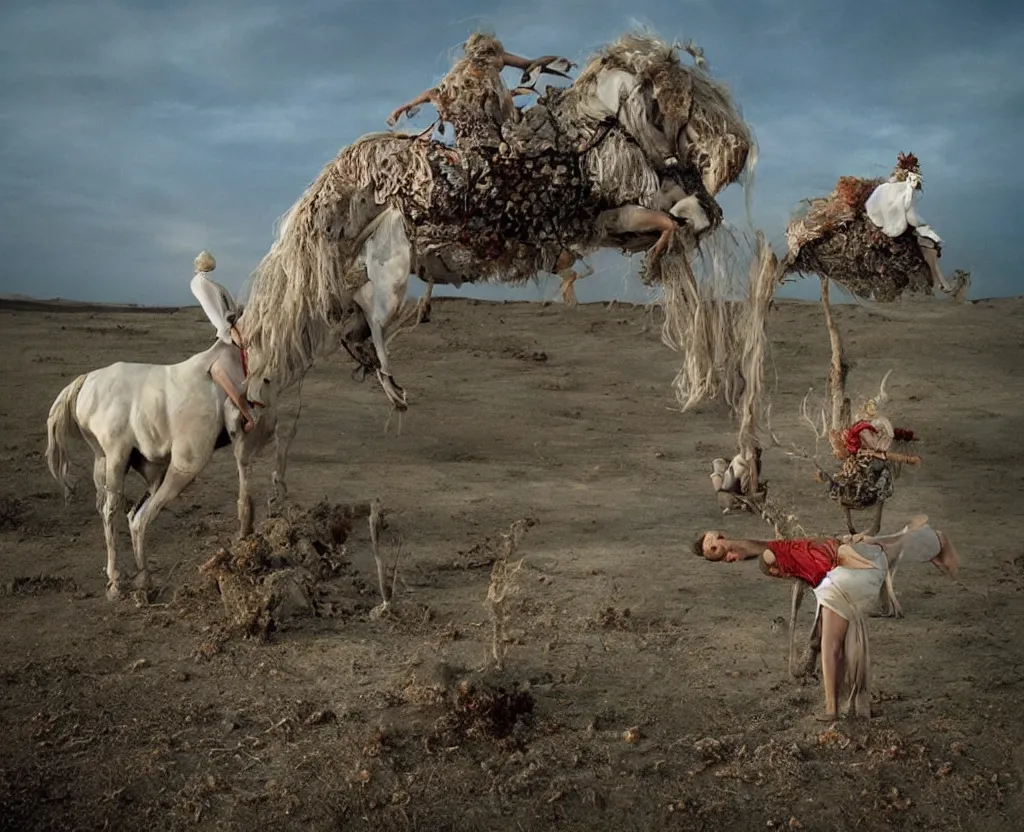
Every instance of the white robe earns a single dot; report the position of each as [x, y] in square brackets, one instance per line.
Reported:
[891, 208]
[217, 303]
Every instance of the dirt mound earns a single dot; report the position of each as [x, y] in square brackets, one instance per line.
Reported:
[274, 573]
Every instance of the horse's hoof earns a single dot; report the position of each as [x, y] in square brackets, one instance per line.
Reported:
[113, 592]
[379, 611]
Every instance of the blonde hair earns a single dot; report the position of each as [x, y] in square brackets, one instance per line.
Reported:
[205, 262]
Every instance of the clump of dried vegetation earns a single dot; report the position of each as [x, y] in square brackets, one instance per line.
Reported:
[273, 573]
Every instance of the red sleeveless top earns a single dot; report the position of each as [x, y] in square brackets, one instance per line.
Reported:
[808, 560]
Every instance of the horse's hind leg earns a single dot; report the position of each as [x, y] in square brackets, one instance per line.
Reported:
[153, 475]
[113, 501]
[99, 480]
[173, 483]
[388, 255]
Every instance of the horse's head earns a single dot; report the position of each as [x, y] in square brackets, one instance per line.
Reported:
[261, 391]
[676, 113]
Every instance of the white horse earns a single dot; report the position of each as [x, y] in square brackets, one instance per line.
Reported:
[163, 420]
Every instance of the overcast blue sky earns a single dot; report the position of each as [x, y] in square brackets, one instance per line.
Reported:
[134, 133]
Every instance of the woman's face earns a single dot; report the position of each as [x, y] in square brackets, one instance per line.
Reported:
[715, 546]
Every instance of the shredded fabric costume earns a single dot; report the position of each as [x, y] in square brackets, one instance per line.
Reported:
[473, 97]
[863, 480]
[862, 483]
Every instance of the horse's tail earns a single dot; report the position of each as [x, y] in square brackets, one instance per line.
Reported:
[61, 426]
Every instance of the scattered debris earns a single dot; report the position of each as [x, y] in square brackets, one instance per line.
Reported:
[12, 512]
[39, 585]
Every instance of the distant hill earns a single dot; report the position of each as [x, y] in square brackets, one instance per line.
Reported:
[25, 303]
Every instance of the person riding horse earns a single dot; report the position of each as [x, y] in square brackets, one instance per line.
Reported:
[228, 368]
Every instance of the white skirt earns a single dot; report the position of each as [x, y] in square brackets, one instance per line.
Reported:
[849, 592]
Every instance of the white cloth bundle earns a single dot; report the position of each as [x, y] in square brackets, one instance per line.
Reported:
[891, 208]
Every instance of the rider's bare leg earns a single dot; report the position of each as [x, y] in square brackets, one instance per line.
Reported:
[224, 378]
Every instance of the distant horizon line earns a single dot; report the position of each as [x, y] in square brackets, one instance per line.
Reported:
[28, 303]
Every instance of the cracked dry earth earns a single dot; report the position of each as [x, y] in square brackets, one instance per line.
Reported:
[642, 688]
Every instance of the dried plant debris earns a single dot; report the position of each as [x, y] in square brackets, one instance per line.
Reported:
[39, 585]
[273, 573]
[12, 512]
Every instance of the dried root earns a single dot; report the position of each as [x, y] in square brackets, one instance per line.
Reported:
[503, 585]
[377, 524]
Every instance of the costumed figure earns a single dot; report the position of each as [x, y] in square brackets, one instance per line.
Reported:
[870, 464]
[733, 482]
[229, 365]
[583, 169]
[891, 208]
[867, 236]
[568, 275]
[473, 97]
[847, 576]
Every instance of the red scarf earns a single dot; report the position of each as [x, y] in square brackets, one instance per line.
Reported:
[852, 436]
[808, 560]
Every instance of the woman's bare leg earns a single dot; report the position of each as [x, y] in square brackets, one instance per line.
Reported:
[220, 375]
[947, 559]
[833, 636]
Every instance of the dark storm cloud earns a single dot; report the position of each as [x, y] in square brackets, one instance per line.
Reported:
[134, 134]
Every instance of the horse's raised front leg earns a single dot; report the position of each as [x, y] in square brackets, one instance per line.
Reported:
[688, 208]
[388, 256]
[243, 459]
[283, 437]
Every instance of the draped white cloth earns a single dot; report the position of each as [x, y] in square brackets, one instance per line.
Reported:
[848, 592]
[891, 207]
[217, 303]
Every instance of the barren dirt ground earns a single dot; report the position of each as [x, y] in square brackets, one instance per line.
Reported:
[120, 716]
